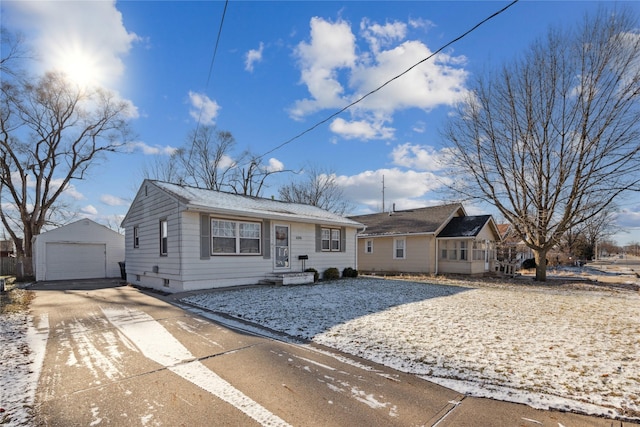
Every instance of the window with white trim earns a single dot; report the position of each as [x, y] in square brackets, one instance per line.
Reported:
[368, 246]
[463, 251]
[164, 237]
[330, 239]
[235, 237]
[453, 253]
[443, 250]
[399, 249]
[136, 237]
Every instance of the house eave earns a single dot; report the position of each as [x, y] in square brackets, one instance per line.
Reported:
[270, 216]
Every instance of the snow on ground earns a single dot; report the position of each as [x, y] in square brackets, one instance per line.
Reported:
[23, 341]
[549, 347]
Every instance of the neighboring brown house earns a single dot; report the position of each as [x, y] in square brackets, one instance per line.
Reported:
[7, 249]
[436, 239]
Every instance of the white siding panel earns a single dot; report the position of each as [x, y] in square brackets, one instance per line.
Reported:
[145, 261]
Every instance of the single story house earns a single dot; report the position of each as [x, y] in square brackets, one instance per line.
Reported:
[181, 238]
[429, 240]
[81, 250]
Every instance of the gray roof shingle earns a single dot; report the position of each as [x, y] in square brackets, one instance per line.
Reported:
[410, 221]
[219, 201]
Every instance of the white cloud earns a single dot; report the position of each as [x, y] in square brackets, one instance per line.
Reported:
[110, 200]
[382, 35]
[275, 165]
[253, 56]
[70, 190]
[84, 39]
[336, 76]
[89, 210]
[204, 109]
[360, 129]
[332, 47]
[407, 189]
[421, 157]
[150, 150]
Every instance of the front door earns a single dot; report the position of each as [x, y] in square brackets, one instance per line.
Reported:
[282, 247]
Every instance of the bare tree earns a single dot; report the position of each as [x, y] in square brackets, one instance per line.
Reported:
[552, 139]
[250, 179]
[51, 133]
[318, 188]
[207, 162]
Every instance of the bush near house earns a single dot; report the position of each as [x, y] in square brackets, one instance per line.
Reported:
[349, 272]
[331, 274]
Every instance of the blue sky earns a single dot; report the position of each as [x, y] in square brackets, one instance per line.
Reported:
[280, 68]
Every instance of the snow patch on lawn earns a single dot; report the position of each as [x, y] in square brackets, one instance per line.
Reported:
[23, 342]
[548, 347]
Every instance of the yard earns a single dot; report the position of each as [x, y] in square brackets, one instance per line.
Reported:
[572, 347]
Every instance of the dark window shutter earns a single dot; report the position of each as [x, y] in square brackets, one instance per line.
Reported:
[318, 238]
[343, 239]
[205, 236]
[266, 239]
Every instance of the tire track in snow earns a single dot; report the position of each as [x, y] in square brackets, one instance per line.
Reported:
[157, 344]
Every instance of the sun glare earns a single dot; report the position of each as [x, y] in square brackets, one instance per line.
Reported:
[81, 67]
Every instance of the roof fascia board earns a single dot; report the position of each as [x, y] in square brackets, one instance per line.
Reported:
[425, 233]
[261, 215]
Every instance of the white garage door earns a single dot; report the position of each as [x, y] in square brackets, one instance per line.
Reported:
[76, 261]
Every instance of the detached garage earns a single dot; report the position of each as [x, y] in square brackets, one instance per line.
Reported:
[81, 250]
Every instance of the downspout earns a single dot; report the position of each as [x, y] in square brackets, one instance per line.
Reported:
[436, 255]
[356, 244]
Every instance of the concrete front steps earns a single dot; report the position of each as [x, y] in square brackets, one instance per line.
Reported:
[287, 279]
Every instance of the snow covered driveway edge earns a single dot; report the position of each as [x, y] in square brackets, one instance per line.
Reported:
[550, 348]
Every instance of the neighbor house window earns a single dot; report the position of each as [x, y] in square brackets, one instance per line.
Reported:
[368, 246]
[478, 251]
[399, 251]
[235, 237]
[136, 237]
[330, 239]
[164, 236]
[463, 251]
[453, 253]
[443, 250]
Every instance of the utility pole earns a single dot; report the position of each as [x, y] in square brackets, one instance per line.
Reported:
[383, 193]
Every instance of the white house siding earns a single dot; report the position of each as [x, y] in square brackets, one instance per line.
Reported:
[218, 270]
[144, 265]
[63, 245]
[232, 270]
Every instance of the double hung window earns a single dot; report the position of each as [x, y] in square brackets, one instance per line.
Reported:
[330, 239]
[234, 237]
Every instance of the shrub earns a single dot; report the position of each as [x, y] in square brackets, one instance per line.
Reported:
[316, 275]
[529, 263]
[349, 272]
[331, 274]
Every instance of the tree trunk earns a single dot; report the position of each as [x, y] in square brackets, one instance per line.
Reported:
[541, 265]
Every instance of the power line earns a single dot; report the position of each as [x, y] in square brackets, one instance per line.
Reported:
[213, 58]
[390, 80]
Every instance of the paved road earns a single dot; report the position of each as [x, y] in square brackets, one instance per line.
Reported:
[117, 356]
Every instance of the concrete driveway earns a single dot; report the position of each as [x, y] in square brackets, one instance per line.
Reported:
[119, 356]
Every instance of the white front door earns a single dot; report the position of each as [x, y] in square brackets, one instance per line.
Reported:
[282, 247]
